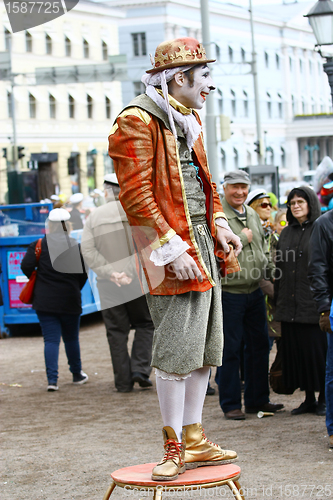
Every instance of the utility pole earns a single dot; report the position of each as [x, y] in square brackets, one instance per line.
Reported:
[210, 111]
[256, 91]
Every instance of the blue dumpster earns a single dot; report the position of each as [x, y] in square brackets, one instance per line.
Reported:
[20, 225]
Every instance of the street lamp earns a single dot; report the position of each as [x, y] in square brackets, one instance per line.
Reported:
[321, 21]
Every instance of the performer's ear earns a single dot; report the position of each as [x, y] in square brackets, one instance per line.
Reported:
[179, 78]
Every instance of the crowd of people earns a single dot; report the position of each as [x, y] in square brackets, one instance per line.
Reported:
[218, 278]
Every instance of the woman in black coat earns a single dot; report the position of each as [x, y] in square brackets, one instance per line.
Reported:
[304, 345]
[57, 295]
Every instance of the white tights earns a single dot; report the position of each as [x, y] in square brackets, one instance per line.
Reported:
[181, 401]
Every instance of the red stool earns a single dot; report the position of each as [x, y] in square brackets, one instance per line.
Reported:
[139, 477]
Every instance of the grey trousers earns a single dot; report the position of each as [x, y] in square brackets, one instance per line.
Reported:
[119, 320]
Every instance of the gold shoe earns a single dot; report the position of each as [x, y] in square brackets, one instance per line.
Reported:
[200, 451]
[173, 462]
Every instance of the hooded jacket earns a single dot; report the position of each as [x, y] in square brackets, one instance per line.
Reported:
[321, 262]
[294, 299]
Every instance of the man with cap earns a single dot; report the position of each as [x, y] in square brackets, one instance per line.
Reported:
[108, 250]
[177, 222]
[244, 311]
[76, 201]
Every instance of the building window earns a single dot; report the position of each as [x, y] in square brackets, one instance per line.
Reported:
[90, 105]
[269, 105]
[246, 104]
[139, 44]
[303, 106]
[28, 42]
[266, 60]
[231, 54]
[280, 106]
[48, 43]
[236, 158]
[32, 106]
[223, 160]
[310, 67]
[301, 66]
[139, 88]
[293, 105]
[52, 106]
[220, 101]
[218, 52]
[8, 39]
[233, 103]
[9, 104]
[313, 106]
[243, 55]
[85, 49]
[283, 158]
[71, 106]
[105, 51]
[290, 63]
[68, 47]
[107, 108]
[277, 61]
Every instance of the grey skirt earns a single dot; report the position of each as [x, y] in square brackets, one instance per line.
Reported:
[188, 327]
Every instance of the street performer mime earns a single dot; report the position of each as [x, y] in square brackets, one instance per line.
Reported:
[178, 223]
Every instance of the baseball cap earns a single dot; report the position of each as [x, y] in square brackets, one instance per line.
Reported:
[111, 179]
[58, 215]
[237, 177]
[256, 194]
[76, 198]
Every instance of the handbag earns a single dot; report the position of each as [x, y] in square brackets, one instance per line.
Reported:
[276, 380]
[27, 291]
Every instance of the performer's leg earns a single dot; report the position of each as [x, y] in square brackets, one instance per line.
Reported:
[199, 450]
[195, 392]
[171, 396]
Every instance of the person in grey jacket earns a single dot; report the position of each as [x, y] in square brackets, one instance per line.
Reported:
[108, 250]
[244, 311]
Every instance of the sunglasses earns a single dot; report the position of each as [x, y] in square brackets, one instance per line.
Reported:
[298, 202]
[265, 204]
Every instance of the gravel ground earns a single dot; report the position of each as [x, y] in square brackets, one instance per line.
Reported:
[64, 445]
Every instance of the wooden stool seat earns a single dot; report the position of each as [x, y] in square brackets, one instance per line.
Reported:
[139, 477]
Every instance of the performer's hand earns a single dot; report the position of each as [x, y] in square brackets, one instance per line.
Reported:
[185, 268]
[120, 279]
[324, 322]
[248, 233]
[224, 236]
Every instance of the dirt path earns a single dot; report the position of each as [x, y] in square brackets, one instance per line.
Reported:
[63, 445]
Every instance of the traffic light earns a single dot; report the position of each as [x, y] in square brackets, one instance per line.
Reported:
[225, 127]
[20, 153]
[259, 147]
[4, 152]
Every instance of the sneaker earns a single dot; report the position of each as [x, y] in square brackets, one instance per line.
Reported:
[80, 378]
[52, 387]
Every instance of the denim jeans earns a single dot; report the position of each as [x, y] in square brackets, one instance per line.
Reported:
[244, 317]
[55, 326]
[329, 384]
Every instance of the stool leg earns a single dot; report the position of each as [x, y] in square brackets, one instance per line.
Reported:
[235, 490]
[157, 494]
[109, 491]
[239, 489]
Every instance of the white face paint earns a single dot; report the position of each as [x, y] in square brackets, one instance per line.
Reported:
[194, 95]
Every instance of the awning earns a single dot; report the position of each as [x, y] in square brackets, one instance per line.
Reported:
[44, 157]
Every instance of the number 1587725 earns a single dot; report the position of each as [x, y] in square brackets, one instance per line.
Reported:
[34, 7]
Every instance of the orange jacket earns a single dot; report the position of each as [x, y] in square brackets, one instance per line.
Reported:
[152, 193]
